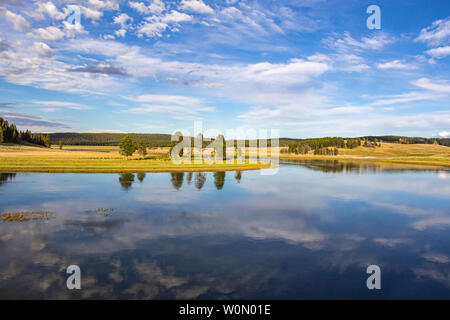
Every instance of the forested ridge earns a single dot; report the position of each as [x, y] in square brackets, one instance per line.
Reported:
[109, 139]
[392, 139]
[10, 134]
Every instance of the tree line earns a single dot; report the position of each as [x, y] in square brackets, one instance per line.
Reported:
[409, 140]
[109, 139]
[10, 134]
[371, 139]
[323, 146]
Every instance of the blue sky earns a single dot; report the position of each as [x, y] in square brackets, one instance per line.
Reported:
[307, 67]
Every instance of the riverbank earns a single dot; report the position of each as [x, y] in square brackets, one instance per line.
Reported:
[106, 159]
[82, 159]
[427, 155]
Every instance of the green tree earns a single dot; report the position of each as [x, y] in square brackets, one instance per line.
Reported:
[47, 141]
[142, 148]
[60, 144]
[127, 147]
[1, 135]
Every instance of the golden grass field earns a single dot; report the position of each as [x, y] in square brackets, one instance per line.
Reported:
[428, 155]
[16, 158]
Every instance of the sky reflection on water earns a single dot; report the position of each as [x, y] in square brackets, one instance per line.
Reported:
[308, 232]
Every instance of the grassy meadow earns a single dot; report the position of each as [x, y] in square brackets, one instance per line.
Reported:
[429, 155]
[101, 159]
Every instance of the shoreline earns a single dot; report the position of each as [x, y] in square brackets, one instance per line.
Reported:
[151, 170]
[98, 159]
[442, 163]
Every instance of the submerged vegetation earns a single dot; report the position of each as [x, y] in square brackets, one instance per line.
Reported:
[105, 212]
[26, 216]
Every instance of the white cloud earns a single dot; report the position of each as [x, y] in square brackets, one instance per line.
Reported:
[436, 34]
[348, 44]
[49, 109]
[197, 6]
[19, 22]
[347, 56]
[439, 52]
[120, 33]
[42, 49]
[139, 7]
[176, 17]
[72, 29]
[296, 71]
[444, 134]
[63, 104]
[47, 9]
[395, 64]
[153, 103]
[122, 19]
[155, 7]
[91, 13]
[104, 5]
[24, 66]
[49, 34]
[438, 86]
[156, 25]
[405, 98]
[152, 29]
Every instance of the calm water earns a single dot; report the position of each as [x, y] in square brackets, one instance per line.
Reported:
[308, 232]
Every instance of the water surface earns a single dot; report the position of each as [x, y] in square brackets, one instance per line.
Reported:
[309, 231]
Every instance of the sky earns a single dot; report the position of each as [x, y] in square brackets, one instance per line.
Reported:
[309, 68]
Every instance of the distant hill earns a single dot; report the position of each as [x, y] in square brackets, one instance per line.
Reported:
[393, 139]
[109, 139]
[163, 140]
[410, 140]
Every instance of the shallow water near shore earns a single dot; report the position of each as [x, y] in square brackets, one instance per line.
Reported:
[308, 232]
